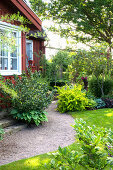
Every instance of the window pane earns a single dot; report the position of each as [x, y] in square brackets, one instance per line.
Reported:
[3, 63]
[4, 50]
[29, 51]
[14, 54]
[13, 64]
[9, 50]
[3, 43]
[14, 44]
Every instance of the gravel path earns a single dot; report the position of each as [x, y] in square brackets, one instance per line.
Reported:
[38, 140]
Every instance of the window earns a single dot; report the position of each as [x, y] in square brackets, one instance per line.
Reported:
[29, 51]
[10, 49]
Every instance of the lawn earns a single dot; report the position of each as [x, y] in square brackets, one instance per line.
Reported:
[101, 117]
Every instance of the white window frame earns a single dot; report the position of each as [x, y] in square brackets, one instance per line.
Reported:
[13, 28]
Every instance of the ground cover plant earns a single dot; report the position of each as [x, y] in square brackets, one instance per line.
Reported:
[100, 118]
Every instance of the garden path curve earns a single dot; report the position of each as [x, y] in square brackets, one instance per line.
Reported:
[38, 140]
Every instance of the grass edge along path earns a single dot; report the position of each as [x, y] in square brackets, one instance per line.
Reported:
[100, 117]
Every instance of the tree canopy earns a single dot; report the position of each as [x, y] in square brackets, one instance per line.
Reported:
[82, 20]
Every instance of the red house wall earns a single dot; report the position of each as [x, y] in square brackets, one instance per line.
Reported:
[6, 7]
[38, 44]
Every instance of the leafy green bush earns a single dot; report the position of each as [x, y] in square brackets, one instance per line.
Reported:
[71, 98]
[100, 86]
[64, 159]
[32, 98]
[31, 117]
[91, 104]
[108, 102]
[92, 141]
[100, 103]
[7, 92]
[96, 146]
[1, 133]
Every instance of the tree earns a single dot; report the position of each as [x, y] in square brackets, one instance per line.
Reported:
[83, 20]
[56, 68]
[93, 62]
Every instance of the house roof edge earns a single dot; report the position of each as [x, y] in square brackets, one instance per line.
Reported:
[27, 11]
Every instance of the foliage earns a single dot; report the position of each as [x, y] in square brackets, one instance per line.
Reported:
[71, 98]
[31, 117]
[57, 67]
[93, 18]
[24, 24]
[93, 142]
[19, 19]
[93, 62]
[32, 97]
[1, 133]
[91, 104]
[17, 22]
[108, 102]
[90, 116]
[7, 92]
[100, 87]
[100, 103]
[64, 159]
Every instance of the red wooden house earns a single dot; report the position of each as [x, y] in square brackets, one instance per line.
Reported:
[26, 49]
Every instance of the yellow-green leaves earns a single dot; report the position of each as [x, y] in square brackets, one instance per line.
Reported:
[71, 98]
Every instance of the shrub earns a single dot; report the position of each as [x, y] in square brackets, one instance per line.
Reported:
[92, 141]
[91, 104]
[108, 102]
[59, 83]
[100, 103]
[7, 92]
[96, 146]
[1, 133]
[99, 86]
[32, 98]
[64, 159]
[71, 98]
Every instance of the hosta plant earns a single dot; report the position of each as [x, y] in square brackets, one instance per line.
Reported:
[31, 117]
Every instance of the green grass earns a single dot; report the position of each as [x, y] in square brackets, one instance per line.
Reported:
[101, 118]
[33, 163]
